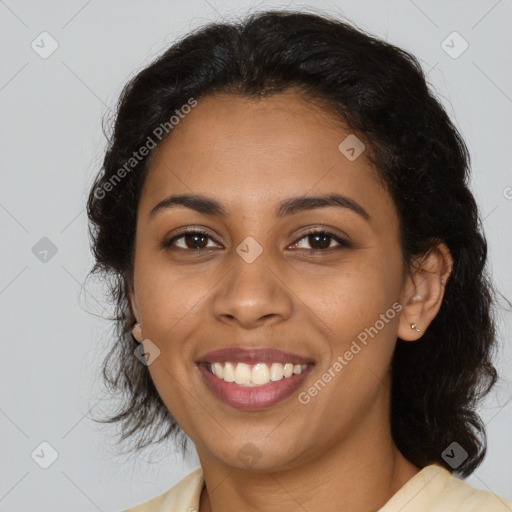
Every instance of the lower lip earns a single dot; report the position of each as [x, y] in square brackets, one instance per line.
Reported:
[253, 397]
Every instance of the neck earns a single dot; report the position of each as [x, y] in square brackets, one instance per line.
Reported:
[359, 474]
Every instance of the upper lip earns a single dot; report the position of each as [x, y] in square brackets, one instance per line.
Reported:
[252, 356]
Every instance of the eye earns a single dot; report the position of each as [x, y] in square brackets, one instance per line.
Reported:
[192, 239]
[320, 240]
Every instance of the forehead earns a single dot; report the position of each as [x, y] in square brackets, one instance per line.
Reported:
[234, 125]
[255, 150]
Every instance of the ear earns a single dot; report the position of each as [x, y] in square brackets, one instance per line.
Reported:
[136, 331]
[423, 291]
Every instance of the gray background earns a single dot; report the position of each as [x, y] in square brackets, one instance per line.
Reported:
[53, 335]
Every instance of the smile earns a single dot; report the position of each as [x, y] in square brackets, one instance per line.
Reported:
[258, 374]
[252, 378]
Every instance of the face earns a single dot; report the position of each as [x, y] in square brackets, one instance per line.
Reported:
[256, 278]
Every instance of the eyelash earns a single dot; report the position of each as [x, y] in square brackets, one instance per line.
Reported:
[317, 231]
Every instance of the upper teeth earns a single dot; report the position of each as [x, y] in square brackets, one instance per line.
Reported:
[259, 375]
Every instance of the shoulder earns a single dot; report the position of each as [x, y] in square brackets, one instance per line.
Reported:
[184, 496]
[435, 489]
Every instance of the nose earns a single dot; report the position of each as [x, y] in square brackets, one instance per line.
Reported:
[252, 295]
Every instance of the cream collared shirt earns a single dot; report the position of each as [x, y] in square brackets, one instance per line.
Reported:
[433, 489]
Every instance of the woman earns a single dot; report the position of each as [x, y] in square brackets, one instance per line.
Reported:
[285, 211]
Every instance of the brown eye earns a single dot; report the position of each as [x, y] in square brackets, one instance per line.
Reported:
[193, 240]
[323, 241]
[320, 241]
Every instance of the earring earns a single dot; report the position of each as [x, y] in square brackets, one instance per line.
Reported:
[413, 326]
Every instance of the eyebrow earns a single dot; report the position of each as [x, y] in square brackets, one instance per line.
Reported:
[209, 206]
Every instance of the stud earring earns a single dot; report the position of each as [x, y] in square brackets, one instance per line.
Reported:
[413, 326]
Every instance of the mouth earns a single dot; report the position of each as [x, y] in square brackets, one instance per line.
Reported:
[253, 379]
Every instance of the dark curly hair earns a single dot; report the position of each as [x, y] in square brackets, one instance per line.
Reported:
[380, 92]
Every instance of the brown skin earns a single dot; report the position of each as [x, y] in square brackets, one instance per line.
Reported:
[336, 452]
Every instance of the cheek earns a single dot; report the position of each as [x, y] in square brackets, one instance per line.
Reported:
[352, 297]
[167, 295]
[361, 312]
[360, 309]
[171, 310]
